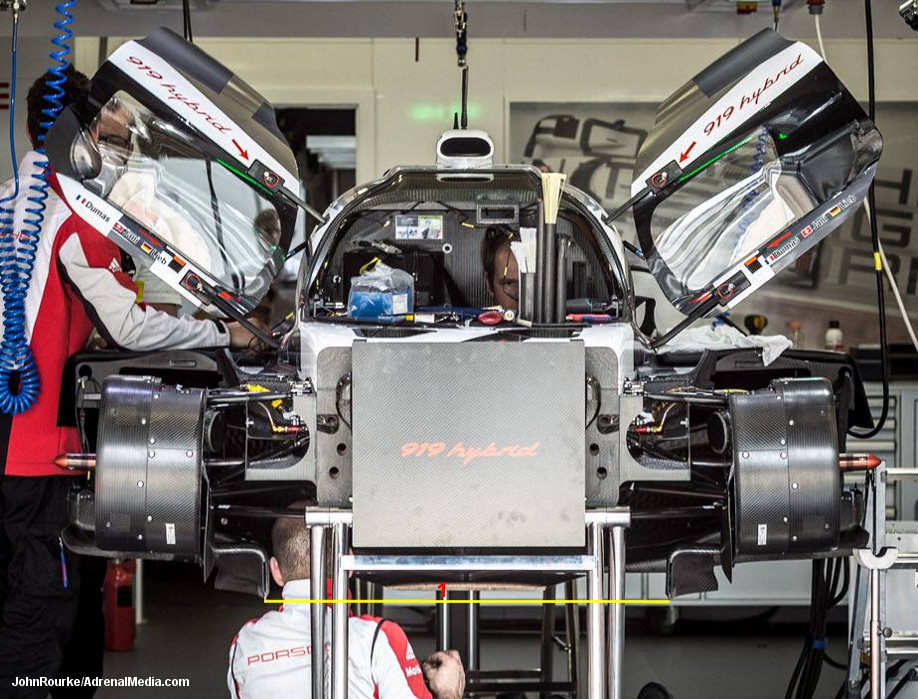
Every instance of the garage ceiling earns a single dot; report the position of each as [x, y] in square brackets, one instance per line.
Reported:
[487, 18]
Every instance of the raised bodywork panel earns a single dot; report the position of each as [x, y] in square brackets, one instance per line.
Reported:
[468, 445]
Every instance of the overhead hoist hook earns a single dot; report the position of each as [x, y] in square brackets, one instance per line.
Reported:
[461, 18]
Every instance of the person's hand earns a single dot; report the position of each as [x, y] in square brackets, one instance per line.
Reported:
[445, 675]
[241, 337]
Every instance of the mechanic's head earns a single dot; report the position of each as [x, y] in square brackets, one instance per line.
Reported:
[74, 90]
[110, 135]
[502, 273]
[268, 225]
[112, 131]
[290, 546]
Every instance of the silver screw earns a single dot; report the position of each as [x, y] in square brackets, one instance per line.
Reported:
[778, 397]
[140, 537]
[156, 395]
[152, 440]
[108, 525]
[794, 486]
[149, 518]
[783, 454]
[745, 454]
[143, 421]
[224, 521]
[783, 442]
[151, 453]
[827, 526]
[785, 520]
[140, 484]
[793, 538]
[790, 422]
[189, 453]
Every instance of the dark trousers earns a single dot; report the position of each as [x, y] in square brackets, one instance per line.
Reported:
[38, 608]
[85, 652]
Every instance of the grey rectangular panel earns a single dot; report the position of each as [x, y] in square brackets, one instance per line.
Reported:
[468, 445]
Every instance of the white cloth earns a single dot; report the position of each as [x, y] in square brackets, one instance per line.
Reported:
[724, 337]
[272, 656]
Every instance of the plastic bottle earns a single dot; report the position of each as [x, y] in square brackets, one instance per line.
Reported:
[834, 338]
[795, 333]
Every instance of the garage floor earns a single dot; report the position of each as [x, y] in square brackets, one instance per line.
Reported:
[189, 631]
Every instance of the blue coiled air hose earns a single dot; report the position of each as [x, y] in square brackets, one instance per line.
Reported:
[19, 380]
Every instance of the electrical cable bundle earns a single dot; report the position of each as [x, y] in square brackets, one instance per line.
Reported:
[830, 581]
[186, 21]
[875, 236]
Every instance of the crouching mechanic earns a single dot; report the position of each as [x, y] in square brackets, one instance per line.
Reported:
[78, 283]
[272, 656]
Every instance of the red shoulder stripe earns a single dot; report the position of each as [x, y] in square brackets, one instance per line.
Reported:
[404, 653]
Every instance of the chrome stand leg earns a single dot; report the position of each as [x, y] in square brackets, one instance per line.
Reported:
[857, 615]
[616, 611]
[596, 656]
[546, 664]
[877, 640]
[472, 661]
[375, 591]
[317, 576]
[572, 624]
[443, 624]
[339, 612]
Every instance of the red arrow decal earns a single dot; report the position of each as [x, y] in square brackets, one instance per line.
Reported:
[778, 241]
[242, 151]
[684, 156]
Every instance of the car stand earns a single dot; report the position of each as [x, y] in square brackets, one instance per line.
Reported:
[869, 596]
[605, 621]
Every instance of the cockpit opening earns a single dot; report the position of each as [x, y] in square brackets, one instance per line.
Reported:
[461, 241]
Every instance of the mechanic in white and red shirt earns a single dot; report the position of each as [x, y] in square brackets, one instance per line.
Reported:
[272, 656]
[79, 282]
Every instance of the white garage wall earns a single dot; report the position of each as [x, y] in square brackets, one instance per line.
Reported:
[402, 105]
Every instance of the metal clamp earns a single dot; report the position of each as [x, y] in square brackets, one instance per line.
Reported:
[871, 561]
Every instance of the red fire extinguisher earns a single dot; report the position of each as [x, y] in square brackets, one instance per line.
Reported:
[118, 590]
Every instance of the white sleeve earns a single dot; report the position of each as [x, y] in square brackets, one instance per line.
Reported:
[236, 670]
[110, 299]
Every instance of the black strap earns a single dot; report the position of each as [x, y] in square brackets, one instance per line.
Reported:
[649, 323]
[375, 636]
[373, 647]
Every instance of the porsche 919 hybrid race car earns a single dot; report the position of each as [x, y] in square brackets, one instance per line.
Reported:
[468, 368]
